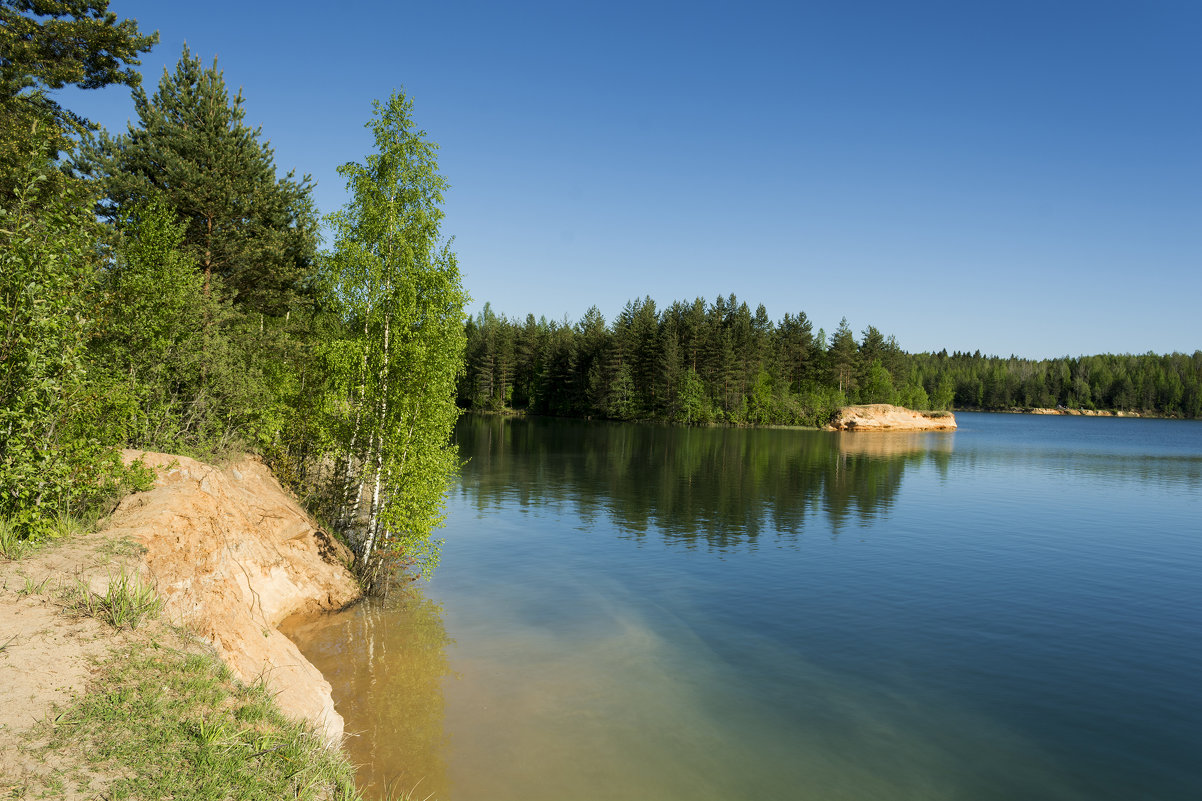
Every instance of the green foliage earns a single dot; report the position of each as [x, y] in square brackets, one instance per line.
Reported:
[944, 393]
[697, 364]
[1165, 385]
[171, 367]
[397, 288]
[52, 43]
[133, 345]
[49, 44]
[149, 355]
[877, 385]
[51, 462]
[689, 363]
[240, 223]
[694, 406]
[914, 396]
[842, 358]
[760, 402]
[207, 340]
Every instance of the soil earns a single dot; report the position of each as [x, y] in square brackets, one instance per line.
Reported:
[230, 553]
[50, 650]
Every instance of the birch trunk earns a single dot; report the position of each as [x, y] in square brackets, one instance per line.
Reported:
[381, 425]
[350, 506]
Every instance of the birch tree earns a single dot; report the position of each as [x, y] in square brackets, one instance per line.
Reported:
[396, 284]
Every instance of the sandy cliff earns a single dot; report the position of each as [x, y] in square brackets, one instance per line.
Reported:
[884, 417]
[1083, 412]
[232, 555]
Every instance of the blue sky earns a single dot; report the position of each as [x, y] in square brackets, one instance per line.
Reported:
[1015, 177]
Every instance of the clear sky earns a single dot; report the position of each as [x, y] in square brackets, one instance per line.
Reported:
[1015, 177]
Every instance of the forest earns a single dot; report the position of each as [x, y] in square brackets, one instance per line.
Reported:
[164, 288]
[700, 363]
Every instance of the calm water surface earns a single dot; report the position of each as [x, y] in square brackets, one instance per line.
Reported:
[643, 612]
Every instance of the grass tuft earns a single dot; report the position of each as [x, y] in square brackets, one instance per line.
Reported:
[12, 545]
[65, 525]
[394, 793]
[127, 602]
[33, 587]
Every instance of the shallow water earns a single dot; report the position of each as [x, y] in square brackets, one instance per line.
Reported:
[648, 612]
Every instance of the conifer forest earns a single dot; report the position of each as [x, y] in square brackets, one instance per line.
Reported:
[718, 362]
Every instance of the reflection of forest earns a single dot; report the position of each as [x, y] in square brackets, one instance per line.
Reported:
[386, 661]
[723, 487]
[888, 444]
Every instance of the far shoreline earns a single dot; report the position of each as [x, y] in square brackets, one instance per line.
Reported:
[1037, 411]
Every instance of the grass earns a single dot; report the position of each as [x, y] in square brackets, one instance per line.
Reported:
[126, 602]
[12, 546]
[33, 587]
[165, 723]
[394, 793]
[15, 544]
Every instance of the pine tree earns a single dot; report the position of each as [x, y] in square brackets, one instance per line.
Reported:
[193, 148]
[843, 357]
[47, 45]
[795, 350]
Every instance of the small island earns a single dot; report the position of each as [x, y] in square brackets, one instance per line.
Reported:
[886, 417]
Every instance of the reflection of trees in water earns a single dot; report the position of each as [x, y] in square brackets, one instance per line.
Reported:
[719, 487]
[386, 660]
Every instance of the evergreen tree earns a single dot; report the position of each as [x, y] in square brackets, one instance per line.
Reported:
[528, 347]
[843, 358]
[746, 370]
[49, 44]
[192, 147]
[795, 349]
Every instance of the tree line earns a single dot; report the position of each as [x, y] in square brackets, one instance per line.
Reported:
[1165, 385]
[719, 362]
[163, 288]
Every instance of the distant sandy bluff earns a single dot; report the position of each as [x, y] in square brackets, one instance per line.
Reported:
[885, 417]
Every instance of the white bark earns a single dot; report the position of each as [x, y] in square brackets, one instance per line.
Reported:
[373, 522]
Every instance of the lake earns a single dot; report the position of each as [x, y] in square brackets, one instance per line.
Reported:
[648, 612]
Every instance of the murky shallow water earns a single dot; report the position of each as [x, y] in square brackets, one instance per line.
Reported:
[642, 612]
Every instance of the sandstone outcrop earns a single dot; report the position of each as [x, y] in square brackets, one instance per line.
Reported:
[1083, 412]
[885, 417]
[232, 555]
